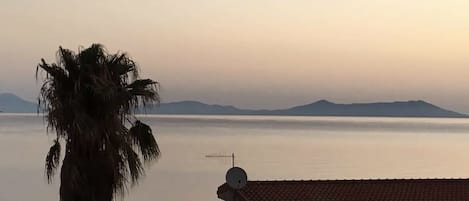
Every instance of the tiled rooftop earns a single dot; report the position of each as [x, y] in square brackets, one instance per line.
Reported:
[354, 190]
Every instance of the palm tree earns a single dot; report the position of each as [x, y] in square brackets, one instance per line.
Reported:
[90, 99]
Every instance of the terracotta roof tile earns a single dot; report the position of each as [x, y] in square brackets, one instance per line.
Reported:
[355, 190]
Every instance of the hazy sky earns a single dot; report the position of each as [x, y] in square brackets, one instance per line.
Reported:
[256, 53]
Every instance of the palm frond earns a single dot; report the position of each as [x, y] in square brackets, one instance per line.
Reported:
[143, 91]
[52, 160]
[66, 58]
[52, 70]
[134, 165]
[142, 136]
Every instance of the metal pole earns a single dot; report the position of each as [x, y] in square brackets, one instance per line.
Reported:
[232, 156]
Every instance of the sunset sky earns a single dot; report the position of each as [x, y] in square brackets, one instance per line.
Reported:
[256, 53]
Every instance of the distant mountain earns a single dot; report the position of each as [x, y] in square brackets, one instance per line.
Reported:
[193, 107]
[319, 108]
[391, 109]
[10, 103]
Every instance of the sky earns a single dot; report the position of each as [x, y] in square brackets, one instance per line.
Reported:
[257, 53]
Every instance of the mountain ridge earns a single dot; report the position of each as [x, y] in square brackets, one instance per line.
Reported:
[412, 108]
[10, 103]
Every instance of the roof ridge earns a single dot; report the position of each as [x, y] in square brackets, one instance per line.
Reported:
[361, 180]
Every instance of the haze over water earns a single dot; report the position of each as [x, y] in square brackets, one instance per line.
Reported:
[267, 147]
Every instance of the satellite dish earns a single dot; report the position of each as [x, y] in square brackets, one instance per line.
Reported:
[236, 178]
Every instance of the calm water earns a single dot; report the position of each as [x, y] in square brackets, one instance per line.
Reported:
[268, 148]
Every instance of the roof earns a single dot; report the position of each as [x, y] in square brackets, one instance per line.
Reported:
[353, 190]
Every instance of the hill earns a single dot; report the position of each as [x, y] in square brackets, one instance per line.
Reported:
[390, 109]
[193, 107]
[10, 103]
[319, 108]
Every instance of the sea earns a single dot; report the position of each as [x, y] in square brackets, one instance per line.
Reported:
[266, 147]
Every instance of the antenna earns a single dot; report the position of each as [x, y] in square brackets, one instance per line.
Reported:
[232, 156]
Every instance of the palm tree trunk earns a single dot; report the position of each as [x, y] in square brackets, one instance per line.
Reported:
[86, 178]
